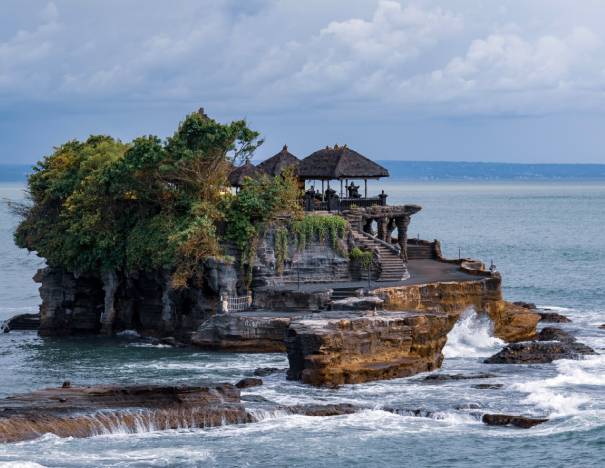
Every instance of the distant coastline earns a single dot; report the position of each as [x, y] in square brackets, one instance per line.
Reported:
[436, 170]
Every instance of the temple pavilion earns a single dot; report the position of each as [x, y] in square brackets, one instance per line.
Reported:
[331, 177]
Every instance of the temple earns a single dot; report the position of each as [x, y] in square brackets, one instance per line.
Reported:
[331, 179]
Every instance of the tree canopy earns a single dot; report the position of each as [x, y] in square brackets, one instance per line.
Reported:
[105, 205]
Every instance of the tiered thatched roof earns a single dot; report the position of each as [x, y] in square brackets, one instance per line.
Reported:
[276, 164]
[237, 175]
[339, 162]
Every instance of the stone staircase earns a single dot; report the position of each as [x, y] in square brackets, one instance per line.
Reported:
[421, 251]
[392, 266]
[343, 293]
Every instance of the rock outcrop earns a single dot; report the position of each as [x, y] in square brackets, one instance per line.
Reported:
[331, 351]
[21, 322]
[553, 317]
[511, 322]
[88, 411]
[539, 352]
[264, 333]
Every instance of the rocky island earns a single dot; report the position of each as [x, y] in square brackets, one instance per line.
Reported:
[187, 242]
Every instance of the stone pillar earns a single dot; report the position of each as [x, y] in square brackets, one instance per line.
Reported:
[110, 286]
[390, 228]
[402, 223]
[383, 223]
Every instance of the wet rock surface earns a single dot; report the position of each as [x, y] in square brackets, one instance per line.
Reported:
[85, 411]
[526, 305]
[523, 422]
[249, 382]
[554, 334]
[21, 322]
[539, 352]
[553, 317]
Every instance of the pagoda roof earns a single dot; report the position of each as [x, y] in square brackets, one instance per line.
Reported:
[276, 164]
[339, 162]
[237, 175]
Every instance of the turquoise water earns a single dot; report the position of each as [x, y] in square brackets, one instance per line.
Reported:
[546, 238]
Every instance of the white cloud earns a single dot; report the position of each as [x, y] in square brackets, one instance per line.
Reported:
[405, 56]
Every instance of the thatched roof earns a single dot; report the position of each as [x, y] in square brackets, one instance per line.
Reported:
[339, 162]
[237, 175]
[275, 165]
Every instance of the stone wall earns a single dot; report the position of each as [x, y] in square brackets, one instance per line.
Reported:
[317, 262]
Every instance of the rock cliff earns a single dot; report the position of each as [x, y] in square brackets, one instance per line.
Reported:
[359, 348]
[511, 322]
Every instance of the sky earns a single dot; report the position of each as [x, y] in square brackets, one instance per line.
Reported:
[447, 80]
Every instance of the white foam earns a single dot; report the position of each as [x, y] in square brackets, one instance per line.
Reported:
[471, 337]
[128, 334]
[554, 308]
[20, 464]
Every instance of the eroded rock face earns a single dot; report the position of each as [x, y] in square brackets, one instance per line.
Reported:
[87, 411]
[536, 352]
[511, 322]
[249, 382]
[357, 303]
[334, 351]
[239, 332]
[291, 300]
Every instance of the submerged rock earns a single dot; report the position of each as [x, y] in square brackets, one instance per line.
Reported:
[553, 317]
[337, 409]
[523, 422]
[22, 322]
[249, 382]
[536, 352]
[265, 371]
[488, 386]
[448, 377]
[602, 327]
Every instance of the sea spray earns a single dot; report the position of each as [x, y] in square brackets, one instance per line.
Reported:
[471, 337]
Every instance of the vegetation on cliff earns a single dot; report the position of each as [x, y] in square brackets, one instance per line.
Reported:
[104, 205]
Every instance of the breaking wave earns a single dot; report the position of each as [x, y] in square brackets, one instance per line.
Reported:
[471, 337]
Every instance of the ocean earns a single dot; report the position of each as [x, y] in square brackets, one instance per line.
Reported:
[545, 237]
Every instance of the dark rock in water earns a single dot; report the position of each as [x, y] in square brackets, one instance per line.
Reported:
[468, 406]
[526, 305]
[448, 377]
[86, 411]
[554, 334]
[324, 410]
[255, 398]
[553, 317]
[418, 412]
[22, 322]
[602, 327]
[66, 384]
[249, 382]
[171, 341]
[488, 386]
[523, 422]
[536, 352]
[265, 371]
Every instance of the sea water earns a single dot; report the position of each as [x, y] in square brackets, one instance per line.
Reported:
[547, 239]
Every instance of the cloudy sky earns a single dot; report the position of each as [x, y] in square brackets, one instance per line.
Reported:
[473, 80]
